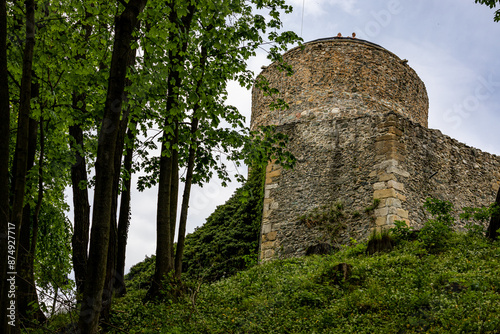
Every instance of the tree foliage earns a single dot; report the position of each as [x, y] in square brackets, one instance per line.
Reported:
[491, 4]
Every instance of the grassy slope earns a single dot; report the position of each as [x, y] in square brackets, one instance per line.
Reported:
[404, 291]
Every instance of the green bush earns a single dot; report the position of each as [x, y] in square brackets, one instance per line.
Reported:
[436, 232]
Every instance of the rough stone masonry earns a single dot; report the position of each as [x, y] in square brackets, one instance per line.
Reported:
[357, 124]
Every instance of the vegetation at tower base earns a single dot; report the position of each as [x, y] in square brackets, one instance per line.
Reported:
[414, 288]
[406, 290]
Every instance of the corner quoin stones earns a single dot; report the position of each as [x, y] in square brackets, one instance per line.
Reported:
[357, 124]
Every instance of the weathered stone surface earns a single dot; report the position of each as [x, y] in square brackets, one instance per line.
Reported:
[358, 135]
[339, 77]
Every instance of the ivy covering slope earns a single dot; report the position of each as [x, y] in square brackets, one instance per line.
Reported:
[227, 243]
[229, 240]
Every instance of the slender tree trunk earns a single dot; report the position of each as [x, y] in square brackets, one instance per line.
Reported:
[185, 203]
[124, 216]
[21, 153]
[189, 174]
[111, 274]
[103, 195]
[4, 170]
[81, 207]
[494, 226]
[26, 295]
[39, 315]
[167, 186]
[164, 245]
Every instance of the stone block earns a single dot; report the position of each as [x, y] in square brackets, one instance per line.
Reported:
[274, 173]
[386, 163]
[401, 197]
[274, 205]
[271, 236]
[395, 184]
[381, 221]
[266, 228]
[387, 137]
[394, 154]
[267, 245]
[384, 193]
[402, 213]
[268, 254]
[394, 130]
[379, 185]
[387, 124]
[394, 202]
[381, 212]
[386, 177]
[396, 170]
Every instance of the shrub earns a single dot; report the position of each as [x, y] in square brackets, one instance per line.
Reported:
[401, 231]
[437, 231]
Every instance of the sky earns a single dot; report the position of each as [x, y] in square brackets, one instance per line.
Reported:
[453, 45]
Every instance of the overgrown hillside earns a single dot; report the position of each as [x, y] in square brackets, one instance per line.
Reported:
[227, 243]
[407, 290]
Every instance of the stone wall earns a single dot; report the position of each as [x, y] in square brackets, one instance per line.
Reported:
[357, 124]
[356, 159]
[341, 77]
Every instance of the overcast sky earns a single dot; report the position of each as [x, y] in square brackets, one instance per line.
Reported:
[453, 45]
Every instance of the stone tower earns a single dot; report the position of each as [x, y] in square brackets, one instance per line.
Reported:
[357, 124]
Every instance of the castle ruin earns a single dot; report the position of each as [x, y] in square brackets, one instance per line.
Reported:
[357, 124]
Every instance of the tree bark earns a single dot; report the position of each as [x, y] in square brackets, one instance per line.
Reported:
[112, 276]
[124, 216]
[21, 153]
[26, 294]
[492, 232]
[103, 194]
[4, 169]
[168, 181]
[185, 204]
[81, 206]
[189, 174]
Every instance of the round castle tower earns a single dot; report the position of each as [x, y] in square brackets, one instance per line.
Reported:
[357, 125]
[341, 77]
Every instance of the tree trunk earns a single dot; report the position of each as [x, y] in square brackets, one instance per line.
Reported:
[103, 194]
[81, 207]
[21, 153]
[27, 297]
[185, 203]
[494, 226]
[167, 186]
[164, 247]
[111, 274]
[124, 216]
[189, 174]
[4, 170]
